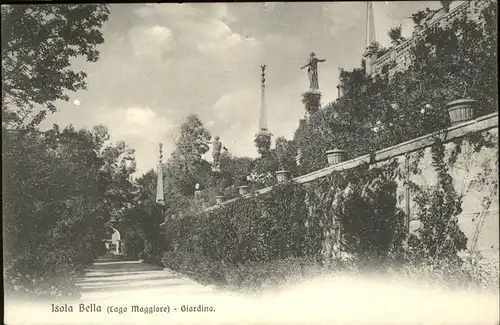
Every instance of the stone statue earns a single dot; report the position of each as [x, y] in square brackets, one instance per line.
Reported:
[312, 70]
[216, 148]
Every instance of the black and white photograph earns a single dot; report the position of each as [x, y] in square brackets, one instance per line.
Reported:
[245, 163]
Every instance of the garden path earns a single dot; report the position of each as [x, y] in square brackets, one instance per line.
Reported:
[113, 278]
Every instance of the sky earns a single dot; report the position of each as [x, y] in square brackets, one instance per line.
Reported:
[162, 62]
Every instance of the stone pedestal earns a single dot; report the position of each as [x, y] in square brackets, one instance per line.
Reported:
[263, 141]
[370, 57]
[311, 100]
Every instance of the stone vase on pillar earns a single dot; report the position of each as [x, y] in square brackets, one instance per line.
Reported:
[283, 176]
[219, 199]
[335, 156]
[461, 110]
[417, 29]
[243, 190]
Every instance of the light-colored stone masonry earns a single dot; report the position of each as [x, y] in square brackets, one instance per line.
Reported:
[400, 55]
[475, 220]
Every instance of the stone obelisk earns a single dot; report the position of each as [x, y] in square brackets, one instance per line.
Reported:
[160, 199]
[370, 24]
[370, 56]
[263, 136]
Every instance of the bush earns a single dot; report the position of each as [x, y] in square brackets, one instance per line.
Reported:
[247, 277]
[55, 208]
[468, 273]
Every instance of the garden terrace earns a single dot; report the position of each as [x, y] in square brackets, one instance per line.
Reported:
[399, 58]
[402, 187]
[417, 152]
[370, 211]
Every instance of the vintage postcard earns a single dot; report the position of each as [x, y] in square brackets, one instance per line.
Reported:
[250, 163]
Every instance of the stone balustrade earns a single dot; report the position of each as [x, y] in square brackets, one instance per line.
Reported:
[447, 135]
[399, 57]
[405, 153]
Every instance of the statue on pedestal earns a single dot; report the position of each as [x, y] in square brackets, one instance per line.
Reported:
[312, 70]
[216, 148]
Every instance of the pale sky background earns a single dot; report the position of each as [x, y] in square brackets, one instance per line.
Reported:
[162, 62]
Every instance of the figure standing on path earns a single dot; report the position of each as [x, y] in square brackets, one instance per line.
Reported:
[312, 70]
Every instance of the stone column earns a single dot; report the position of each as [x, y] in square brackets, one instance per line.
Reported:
[370, 57]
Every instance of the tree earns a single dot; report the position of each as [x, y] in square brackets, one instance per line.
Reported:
[263, 143]
[60, 189]
[53, 212]
[142, 219]
[186, 167]
[38, 44]
[235, 170]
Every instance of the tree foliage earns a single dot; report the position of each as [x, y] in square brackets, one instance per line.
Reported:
[60, 189]
[263, 143]
[38, 45]
[186, 167]
[450, 62]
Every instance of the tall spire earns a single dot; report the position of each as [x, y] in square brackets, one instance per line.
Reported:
[370, 24]
[263, 112]
[263, 137]
[159, 182]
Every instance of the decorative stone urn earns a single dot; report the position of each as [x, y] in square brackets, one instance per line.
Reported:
[335, 156]
[244, 189]
[417, 29]
[461, 110]
[395, 43]
[219, 199]
[282, 176]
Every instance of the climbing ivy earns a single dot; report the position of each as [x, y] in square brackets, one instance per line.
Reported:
[293, 221]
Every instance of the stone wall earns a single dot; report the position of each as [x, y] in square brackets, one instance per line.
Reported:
[399, 57]
[480, 218]
[476, 219]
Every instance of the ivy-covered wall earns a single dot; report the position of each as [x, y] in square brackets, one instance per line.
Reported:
[431, 198]
[474, 169]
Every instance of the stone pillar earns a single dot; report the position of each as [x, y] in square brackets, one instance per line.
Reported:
[160, 199]
[312, 101]
[341, 90]
[298, 157]
[370, 57]
[341, 85]
[263, 135]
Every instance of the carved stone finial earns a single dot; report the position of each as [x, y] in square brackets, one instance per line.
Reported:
[263, 79]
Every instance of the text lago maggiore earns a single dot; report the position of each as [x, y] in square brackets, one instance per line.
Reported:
[90, 308]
